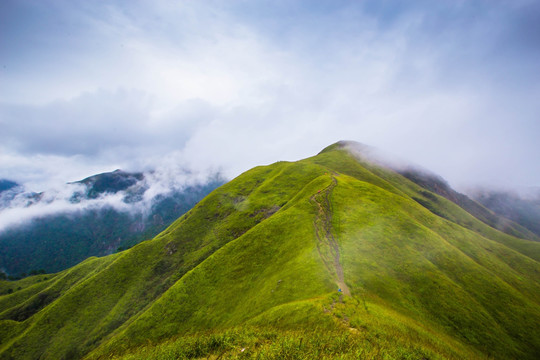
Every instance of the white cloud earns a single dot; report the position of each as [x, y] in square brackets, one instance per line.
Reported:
[233, 85]
[19, 205]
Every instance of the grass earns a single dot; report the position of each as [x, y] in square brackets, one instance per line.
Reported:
[243, 270]
[246, 343]
[345, 330]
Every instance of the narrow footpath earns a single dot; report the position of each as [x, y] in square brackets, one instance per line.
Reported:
[327, 244]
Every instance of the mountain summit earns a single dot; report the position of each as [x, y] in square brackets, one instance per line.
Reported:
[337, 255]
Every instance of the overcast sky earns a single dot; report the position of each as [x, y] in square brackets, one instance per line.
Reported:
[91, 86]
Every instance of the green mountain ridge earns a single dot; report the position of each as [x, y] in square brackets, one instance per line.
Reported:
[330, 256]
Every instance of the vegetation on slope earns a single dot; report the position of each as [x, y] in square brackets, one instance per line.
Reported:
[257, 266]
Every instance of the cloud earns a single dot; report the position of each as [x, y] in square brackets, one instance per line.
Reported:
[98, 122]
[450, 85]
[77, 126]
[18, 206]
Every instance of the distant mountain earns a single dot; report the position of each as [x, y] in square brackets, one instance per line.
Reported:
[521, 209]
[62, 239]
[7, 185]
[8, 191]
[334, 256]
[112, 182]
[480, 209]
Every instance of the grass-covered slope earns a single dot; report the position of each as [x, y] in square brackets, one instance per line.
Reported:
[254, 270]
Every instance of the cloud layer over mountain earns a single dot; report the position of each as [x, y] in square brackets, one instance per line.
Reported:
[132, 194]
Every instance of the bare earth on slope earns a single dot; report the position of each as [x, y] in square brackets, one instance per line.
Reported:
[327, 244]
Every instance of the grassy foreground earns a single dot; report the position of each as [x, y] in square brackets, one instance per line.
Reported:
[346, 329]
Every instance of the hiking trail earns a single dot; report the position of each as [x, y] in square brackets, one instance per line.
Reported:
[327, 245]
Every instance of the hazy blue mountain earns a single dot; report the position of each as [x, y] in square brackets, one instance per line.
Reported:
[111, 183]
[94, 225]
[7, 184]
[524, 210]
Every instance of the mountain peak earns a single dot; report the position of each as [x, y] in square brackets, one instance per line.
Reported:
[110, 182]
[373, 155]
[343, 144]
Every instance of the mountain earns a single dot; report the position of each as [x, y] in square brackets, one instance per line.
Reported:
[334, 256]
[91, 224]
[7, 185]
[112, 183]
[434, 184]
[521, 209]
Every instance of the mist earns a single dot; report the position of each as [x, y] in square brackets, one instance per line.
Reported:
[19, 207]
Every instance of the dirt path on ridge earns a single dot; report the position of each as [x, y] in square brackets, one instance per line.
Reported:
[327, 244]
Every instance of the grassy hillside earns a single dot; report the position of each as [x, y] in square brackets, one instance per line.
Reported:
[326, 257]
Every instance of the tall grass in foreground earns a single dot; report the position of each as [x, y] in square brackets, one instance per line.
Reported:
[264, 343]
[241, 343]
